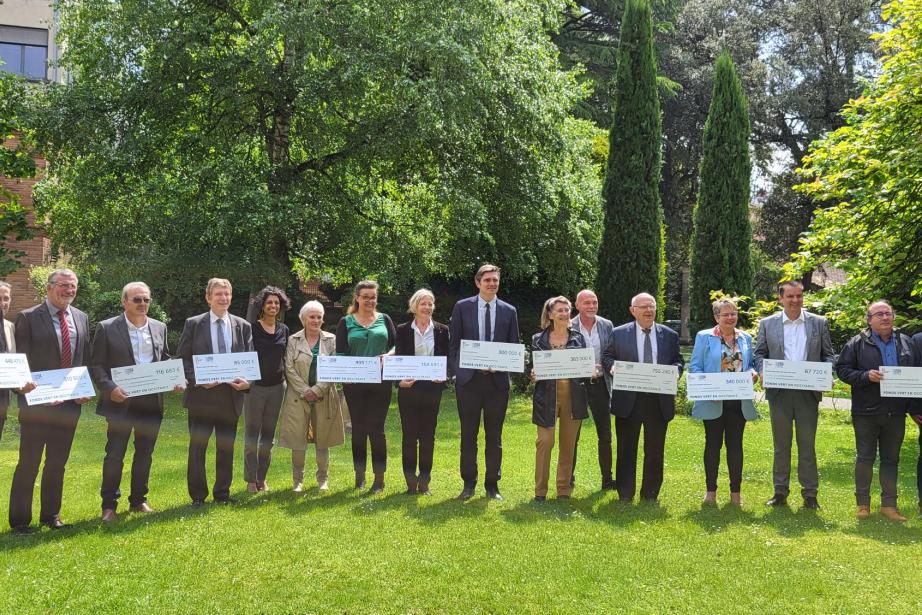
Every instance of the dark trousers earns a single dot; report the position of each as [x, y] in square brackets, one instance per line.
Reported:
[884, 432]
[2, 423]
[142, 417]
[919, 470]
[600, 406]
[646, 414]
[480, 397]
[222, 420]
[368, 405]
[727, 430]
[260, 418]
[419, 413]
[47, 430]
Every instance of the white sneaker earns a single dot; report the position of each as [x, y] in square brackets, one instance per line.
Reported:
[298, 488]
[324, 486]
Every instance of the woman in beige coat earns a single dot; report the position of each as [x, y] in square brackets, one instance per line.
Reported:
[312, 412]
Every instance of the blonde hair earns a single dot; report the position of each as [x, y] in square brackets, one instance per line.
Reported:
[417, 298]
[215, 283]
[721, 303]
[549, 308]
[363, 285]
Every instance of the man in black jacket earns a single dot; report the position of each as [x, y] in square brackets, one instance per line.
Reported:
[879, 422]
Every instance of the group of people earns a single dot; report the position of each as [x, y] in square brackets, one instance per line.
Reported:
[291, 400]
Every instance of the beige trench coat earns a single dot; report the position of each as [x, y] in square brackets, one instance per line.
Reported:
[322, 422]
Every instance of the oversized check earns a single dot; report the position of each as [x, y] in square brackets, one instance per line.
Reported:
[644, 377]
[150, 378]
[719, 386]
[366, 370]
[498, 356]
[566, 363]
[225, 367]
[407, 367]
[60, 385]
[14, 370]
[901, 381]
[800, 375]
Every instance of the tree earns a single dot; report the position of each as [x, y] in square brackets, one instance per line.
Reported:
[337, 140]
[722, 232]
[631, 258]
[15, 162]
[869, 172]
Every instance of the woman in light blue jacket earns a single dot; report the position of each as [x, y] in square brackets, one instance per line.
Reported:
[723, 349]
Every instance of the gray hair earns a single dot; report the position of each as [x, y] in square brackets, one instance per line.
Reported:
[642, 296]
[131, 285]
[310, 305]
[721, 303]
[63, 271]
[417, 298]
[4, 284]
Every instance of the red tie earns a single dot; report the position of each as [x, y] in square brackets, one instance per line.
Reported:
[65, 340]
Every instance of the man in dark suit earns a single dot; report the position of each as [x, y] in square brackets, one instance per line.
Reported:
[213, 407]
[793, 335]
[597, 333]
[482, 392]
[642, 341]
[53, 335]
[130, 338]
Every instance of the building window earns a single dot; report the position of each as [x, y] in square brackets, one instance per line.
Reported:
[24, 51]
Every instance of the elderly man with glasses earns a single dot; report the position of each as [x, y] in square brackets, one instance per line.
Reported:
[879, 422]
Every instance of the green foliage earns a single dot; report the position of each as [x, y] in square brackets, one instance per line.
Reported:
[631, 258]
[869, 174]
[720, 245]
[14, 163]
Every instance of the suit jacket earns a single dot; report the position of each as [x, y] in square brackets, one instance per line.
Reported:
[605, 328]
[623, 347]
[196, 339]
[770, 344]
[706, 358]
[35, 337]
[11, 344]
[406, 345]
[112, 348]
[464, 326]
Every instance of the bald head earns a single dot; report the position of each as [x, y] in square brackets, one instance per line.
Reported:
[643, 309]
[588, 305]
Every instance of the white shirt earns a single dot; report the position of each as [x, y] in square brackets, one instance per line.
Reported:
[424, 341]
[212, 319]
[795, 337]
[481, 311]
[640, 340]
[142, 342]
[592, 338]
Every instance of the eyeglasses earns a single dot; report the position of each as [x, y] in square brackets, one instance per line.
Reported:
[140, 300]
[729, 315]
[644, 307]
[882, 315]
[65, 285]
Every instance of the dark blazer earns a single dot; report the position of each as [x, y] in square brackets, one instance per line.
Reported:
[196, 339]
[623, 347]
[406, 345]
[770, 344]
[112, 348]
[861, 355]
[35, 337]
[544, 400]
[463, 326]
[10, 334]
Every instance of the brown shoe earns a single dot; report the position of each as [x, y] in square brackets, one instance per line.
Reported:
[710, 498]
[108, 515]
[892, 513]
[143, 507]
[863, 512]
[735, 499]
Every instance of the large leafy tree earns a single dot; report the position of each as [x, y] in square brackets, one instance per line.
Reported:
[631, 256]
[338, 139]
[870, 173]
[15, 162]
[722, 233]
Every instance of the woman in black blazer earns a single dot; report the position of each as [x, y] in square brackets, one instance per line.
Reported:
[419, 400]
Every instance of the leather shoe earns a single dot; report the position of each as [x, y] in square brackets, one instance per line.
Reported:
[494, 494]
[197, 503]
[609, 485]
[143, 507]
[779, 499]
[892, 513]
[540, 498]
[252, 488]
[22, 530]
[863, 512]
[466, 494]
[225, 500]
[810, 503]
[108, 515]
[56, 523]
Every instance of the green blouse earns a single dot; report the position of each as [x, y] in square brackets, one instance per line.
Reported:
[354, 340]
[312, 375]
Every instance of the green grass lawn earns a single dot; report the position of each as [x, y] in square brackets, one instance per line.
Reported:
[347, 552]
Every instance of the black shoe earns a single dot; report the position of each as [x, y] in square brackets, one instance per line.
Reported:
[225, 500]
[811, 503]
[609, 485]
[540, 498]
[197, 503]
[494, 494]
[466, 494]
[56, 524]
[563, 497]
[22, 530]
[779, 499]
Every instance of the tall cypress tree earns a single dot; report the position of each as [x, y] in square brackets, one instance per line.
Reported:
[631, 258]
[722, 232]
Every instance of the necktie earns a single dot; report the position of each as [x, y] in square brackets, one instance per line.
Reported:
[487, 326]
[222, 345]
[647, 347]
[66, 357]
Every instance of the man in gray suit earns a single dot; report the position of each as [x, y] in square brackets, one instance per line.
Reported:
[597, 333]
[52, 335]
[793, 335]
[213, 407]
[131, 338]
